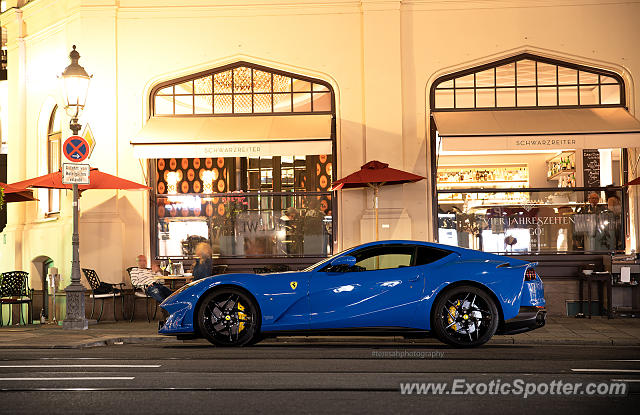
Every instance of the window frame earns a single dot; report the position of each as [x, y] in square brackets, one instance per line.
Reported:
[54, 136]
[514, 60]
[326, 88]
[353, 253]
[233, 94]
[433, 161]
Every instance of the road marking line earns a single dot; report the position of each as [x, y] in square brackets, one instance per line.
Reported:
[76, 378]
[631, 360]
[607, 370]
[626, 380]
[27, 366]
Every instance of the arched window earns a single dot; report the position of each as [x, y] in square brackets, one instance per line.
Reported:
[54, 135]
[525, 148]
[525, 81]
[255, 192]
[241, 88]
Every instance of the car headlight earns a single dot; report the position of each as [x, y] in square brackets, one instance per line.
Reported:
[184, 287]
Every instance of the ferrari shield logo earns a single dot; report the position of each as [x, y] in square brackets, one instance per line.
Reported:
[294, 284]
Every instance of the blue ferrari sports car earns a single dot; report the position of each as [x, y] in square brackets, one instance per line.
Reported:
[409, 288]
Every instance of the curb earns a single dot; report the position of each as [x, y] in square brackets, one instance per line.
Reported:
[99, 342]
[359, 340]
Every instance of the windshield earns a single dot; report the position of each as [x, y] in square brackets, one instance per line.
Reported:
[324, 261]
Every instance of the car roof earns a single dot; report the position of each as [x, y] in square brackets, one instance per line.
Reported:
[463, 252]
[406, 242]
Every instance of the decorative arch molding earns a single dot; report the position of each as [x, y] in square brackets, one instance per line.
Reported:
[527, 81]
[615, 70]
[155, 84]
[241, 88]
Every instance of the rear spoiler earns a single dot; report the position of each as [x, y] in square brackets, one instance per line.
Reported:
[526, 264]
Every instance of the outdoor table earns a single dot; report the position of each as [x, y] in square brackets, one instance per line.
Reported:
[173, 278]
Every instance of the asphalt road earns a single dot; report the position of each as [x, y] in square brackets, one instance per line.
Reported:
[314, 378]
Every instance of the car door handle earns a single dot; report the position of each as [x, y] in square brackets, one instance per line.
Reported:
[415, 278]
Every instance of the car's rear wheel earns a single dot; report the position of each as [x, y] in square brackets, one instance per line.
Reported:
[465, 316]
[229, 317]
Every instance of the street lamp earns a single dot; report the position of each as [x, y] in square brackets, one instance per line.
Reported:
[76, 85]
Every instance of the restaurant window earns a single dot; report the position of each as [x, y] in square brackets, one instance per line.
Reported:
[529, 200]
[54, 135]
[252, 205]
[245, 206]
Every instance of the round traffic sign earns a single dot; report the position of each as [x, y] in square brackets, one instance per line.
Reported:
[75, 148]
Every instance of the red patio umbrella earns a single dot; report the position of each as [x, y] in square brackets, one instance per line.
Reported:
[97, 180]
[375, 174]
[16, 194]
[635, 181]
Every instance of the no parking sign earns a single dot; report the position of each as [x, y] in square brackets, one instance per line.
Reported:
[75, 148]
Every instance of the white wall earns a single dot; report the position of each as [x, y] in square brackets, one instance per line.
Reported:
[380, 56]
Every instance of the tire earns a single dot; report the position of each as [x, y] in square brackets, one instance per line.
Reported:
[229, 317]
[465, 316]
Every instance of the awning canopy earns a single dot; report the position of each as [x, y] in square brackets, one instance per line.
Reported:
[537, 129]
[234, 136]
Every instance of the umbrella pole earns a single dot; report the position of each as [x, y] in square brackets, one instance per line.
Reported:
[375, 207]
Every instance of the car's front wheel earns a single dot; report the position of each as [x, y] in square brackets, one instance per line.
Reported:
[465, 316]
[229, 317]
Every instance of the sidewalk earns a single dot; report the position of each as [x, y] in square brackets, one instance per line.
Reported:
[599, 331]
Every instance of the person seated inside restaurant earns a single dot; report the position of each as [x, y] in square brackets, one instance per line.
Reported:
[612, 223]
[204, 262]
[144, 278]
[593, 205]
[290, 221]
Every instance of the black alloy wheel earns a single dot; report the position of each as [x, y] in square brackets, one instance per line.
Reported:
[229, 317]
[465, 316]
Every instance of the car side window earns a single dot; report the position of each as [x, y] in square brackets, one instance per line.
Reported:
[384, 257]
[427, 255]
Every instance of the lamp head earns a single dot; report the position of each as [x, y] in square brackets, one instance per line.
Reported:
[76, 85]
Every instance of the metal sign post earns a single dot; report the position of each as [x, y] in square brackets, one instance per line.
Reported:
[75, 149]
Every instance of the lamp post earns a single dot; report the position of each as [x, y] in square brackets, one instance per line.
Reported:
[76, 86]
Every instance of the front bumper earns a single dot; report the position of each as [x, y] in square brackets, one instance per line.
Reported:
[179, 320]
[529, 318]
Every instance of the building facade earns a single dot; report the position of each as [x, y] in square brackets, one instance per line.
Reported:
[239, 116]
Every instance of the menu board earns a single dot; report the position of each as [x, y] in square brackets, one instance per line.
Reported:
[591, 167]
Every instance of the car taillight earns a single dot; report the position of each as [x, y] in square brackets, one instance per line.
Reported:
[530, 274]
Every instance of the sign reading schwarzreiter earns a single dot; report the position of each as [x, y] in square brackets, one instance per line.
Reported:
[73, 173]
[250, 149]
[534, 142]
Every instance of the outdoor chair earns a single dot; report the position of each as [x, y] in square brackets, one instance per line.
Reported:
[14, 289]
[101, 291]
[140, 293]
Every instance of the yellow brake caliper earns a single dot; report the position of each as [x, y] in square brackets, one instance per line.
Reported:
[241, 316]
[452, 312]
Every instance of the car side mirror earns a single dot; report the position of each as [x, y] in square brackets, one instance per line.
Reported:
[342, 263]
